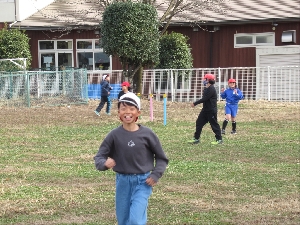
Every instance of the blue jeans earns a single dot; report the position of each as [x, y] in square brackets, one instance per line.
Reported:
[132, 194]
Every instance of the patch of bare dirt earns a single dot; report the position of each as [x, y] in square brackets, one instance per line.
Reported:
[83, 114]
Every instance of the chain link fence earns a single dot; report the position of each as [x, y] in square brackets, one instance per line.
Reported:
[40, 88]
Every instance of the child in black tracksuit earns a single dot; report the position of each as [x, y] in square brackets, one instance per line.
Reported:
[105, 98]
[208, 112]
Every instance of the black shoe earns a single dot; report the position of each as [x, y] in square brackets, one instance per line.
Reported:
[233, 132]
[223, 131]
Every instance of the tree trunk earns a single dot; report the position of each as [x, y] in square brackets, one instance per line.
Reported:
[137, 81]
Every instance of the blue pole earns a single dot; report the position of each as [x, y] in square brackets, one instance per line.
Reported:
[165, 109]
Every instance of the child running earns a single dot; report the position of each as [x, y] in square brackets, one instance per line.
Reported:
[105, 95]
[135, 153]
[209, 111]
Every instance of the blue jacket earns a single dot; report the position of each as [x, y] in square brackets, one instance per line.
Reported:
[231, 98]
[105, 88]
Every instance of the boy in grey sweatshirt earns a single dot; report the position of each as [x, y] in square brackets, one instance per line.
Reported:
[135, 153]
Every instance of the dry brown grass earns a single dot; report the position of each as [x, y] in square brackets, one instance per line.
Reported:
[83, 114]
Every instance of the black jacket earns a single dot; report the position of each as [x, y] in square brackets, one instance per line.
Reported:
[105, 88]
[209, 99]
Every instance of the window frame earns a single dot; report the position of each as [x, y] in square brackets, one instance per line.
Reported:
[92, 50]
[254, 36]
[55, 51]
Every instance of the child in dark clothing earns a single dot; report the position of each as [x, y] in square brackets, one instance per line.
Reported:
[135, 153]
[105, 98]
[208, 112]
[125, 89]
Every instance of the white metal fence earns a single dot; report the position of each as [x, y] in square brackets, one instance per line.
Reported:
[35, 88]
[265, 83]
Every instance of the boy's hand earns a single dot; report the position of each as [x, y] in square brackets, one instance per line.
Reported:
[150, 181]
[222, 89]
[110, 163]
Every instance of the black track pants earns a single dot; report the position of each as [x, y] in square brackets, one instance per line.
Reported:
[205, 117]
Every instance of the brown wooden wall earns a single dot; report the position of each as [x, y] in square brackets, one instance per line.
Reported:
[216, 49]
[209, 49]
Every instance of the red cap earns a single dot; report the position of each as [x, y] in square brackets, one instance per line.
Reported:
[231, 80]
[209, 76]
[125, 83]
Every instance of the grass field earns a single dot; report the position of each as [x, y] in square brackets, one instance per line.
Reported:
[48, 176]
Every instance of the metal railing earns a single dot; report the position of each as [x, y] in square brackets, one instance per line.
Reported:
[265, 83]
[36, 88]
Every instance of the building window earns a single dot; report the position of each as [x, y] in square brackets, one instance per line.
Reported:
[55, 55]
[46, 45]
[91, 56]
[254, 39]
[64, 45]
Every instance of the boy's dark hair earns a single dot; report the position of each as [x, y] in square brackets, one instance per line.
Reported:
[212, 81]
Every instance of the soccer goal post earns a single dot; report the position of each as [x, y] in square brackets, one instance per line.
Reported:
[16, 64]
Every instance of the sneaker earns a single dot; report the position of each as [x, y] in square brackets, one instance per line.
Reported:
[108, 114]
[223, 131]
[97, 113]
[217, 142]
[233, 132]
[194, 141]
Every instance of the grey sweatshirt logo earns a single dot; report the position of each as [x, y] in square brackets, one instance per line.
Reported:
[131, 143]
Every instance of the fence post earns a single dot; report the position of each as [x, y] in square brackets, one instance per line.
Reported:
[139, 96]
[256, 90]
[165, 109]
[269, 84]
[27, 89]
[151, 107]
[11, 86]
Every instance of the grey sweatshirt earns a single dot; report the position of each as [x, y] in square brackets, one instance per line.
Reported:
[135, 152]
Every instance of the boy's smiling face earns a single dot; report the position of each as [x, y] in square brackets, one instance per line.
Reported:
[128, 113]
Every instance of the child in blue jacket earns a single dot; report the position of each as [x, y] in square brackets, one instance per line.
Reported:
[232, 95]
[105, 98]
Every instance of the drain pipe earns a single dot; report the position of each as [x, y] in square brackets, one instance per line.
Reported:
[10, 25]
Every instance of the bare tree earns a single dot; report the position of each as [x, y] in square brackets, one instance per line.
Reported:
[180, 10]
[65, 16]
